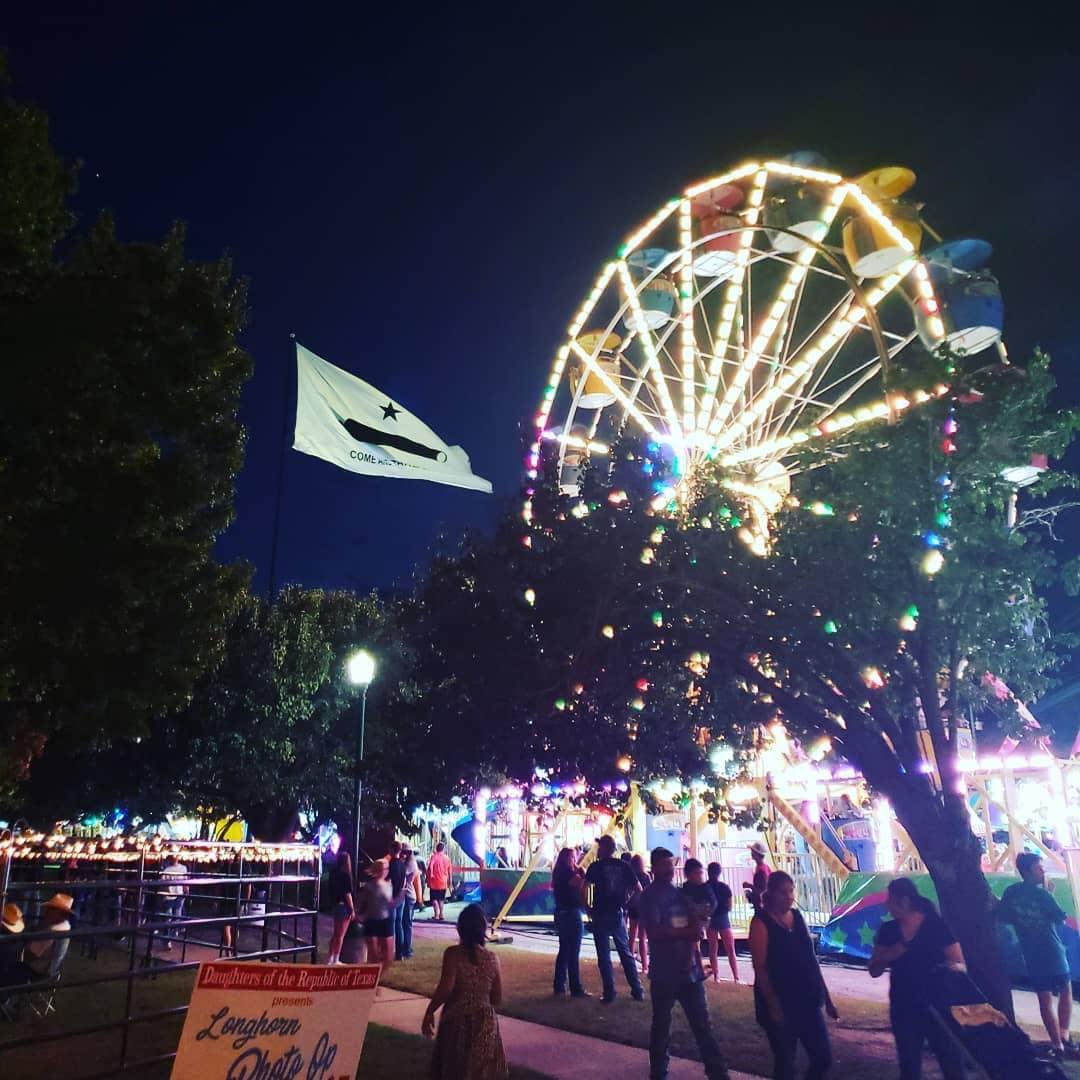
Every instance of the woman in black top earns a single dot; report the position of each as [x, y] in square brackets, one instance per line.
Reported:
[789, 990]
[342, 907]
[919, 948]
[568, 883]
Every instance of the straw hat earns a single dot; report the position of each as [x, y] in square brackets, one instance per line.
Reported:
[61, 901]
[13, 919]
[758, 848]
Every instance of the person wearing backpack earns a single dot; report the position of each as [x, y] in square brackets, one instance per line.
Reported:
[613, 883]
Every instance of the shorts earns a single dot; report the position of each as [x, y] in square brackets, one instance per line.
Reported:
[720, 921]
[1048, 984]
[378, 928]
[437, 894]
[340, 910]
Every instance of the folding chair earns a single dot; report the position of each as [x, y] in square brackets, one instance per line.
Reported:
[42, 1001]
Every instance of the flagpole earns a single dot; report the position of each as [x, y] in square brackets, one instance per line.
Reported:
[281, 472]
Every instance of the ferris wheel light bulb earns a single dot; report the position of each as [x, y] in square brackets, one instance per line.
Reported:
[932, 562]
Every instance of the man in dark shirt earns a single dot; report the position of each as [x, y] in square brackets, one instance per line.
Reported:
[612, 883]
[673, 922]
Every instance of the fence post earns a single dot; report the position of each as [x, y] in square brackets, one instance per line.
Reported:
[131, 961]
[314, 907]
[5, 878]
[239, 894]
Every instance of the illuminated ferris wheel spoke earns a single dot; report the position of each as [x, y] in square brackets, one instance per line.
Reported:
[838, 330]
[687, 349]
[783, 364]
[732, 296]
[596, 370]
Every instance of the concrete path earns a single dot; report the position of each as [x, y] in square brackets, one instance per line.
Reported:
[551, 1051]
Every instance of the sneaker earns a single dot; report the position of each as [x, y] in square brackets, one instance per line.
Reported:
[606, 1000]
[580, 994]
[1072, 1051]
[638, 995]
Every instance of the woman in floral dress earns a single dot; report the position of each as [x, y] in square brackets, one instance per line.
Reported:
[468, 1046]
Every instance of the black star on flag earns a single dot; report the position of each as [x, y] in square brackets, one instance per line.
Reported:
[389, 412]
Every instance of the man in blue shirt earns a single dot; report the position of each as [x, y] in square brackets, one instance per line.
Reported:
[673, 923]
[1035, 916]
[612, 883]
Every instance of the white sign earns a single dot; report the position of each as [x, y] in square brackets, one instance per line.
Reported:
[252, 1021]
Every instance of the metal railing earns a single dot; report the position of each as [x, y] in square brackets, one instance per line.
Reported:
[129, 931]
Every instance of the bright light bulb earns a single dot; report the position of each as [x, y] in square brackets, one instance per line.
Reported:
[932, 562]
[360, 668]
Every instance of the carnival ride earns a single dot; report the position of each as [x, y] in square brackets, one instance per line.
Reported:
[755, 311]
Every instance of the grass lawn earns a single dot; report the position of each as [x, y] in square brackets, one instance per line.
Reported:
[388, 1054]
[863, 1047]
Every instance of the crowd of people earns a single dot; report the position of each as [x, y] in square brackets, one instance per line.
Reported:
[373, 912]
[675, 935]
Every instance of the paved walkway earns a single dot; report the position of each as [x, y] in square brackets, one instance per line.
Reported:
[551, 1051]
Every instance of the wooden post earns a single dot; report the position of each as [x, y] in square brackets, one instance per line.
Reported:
[1008, 787]
[635, 814]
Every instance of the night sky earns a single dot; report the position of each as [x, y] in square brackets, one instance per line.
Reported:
[423, 197]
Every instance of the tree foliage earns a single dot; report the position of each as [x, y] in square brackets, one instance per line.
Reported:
[119, 447]
[270, 735]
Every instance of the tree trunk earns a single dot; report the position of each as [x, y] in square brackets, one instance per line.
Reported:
[954, 859]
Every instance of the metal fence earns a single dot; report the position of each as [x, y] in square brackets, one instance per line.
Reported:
[130, 930]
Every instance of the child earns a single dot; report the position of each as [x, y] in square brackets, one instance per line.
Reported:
[470, 987]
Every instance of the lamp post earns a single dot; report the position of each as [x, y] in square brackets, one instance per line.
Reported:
[361, 670]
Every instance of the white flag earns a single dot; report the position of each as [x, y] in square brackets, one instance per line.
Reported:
[349, 423]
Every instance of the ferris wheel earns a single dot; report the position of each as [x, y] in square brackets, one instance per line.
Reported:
[755, 311]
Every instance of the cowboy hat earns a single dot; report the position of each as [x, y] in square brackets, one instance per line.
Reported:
[758, 848]
[13, 919]
[61, 901]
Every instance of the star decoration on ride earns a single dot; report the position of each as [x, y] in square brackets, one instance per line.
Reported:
[389, 412]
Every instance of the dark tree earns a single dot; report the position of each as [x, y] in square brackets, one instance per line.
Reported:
[119, 447]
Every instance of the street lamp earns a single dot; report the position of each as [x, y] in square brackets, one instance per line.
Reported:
[361, 670]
